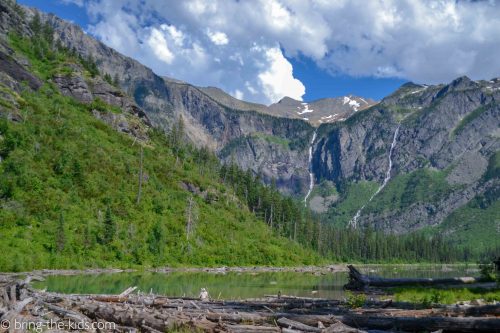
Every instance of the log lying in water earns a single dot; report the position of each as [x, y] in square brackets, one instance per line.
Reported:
[358, 281]
[431, 324]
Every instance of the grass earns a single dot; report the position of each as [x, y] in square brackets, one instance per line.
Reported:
[355, 195]
[423, 185]
[473, 225]
[273, 139]
[429, 296]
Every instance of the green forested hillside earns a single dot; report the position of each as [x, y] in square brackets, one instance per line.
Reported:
[75, 192]
[69, 187]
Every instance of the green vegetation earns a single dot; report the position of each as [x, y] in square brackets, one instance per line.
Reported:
[422, 185]
[428, 296]
[472, 225]
[493, 170]
[69, 184]
[75, 193]
[355, 301]
[353, 197]
[470, 118]
[273, 139]
[71, 202]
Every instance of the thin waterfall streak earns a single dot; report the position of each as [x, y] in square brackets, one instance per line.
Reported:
[354, 222]
[311, 174]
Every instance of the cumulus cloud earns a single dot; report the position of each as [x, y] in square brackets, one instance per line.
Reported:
[158, 44]
[241, 46]
[218, 38]
[277, 80]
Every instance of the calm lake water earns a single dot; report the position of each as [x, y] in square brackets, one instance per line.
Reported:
[237, 285]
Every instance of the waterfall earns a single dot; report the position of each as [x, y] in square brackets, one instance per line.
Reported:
[354, 222]
[311, 175]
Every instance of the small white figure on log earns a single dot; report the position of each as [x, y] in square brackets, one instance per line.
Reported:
[204, 295]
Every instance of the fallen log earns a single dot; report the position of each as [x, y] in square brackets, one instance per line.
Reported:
[250, 329]
[412, 324]
[288, 323]
[339, 327]
[359, 281]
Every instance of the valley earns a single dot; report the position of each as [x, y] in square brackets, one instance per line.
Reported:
[401, 179]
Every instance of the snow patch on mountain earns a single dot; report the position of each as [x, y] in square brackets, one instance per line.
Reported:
[305, 109]
[352, 102]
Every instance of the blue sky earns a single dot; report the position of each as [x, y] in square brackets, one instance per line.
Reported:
[263, 50]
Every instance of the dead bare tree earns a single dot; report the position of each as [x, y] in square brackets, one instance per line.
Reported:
[191, 216]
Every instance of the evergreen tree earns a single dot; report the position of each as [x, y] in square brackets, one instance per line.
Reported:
[156, 239]
[60, 234]
[109, 227]
[36, 24]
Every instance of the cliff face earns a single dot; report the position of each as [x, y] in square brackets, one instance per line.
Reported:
[449, 131]
[410, 161]
[207, 121]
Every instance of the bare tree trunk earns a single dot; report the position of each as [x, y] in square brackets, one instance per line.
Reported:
[295, 230]
[140, 177]
[191, 216]
[271, 217]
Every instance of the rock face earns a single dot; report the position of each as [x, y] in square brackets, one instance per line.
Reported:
[322, 111]
[451, 129]
[450, 132]
[208, 121]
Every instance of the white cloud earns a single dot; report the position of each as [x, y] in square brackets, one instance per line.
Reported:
[176, 35]
[423, 41]
[238, 94]
[218, 38]
[78, 3]
[278, 81]
[158, 45]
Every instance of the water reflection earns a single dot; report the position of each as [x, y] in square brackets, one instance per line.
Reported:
[235, 285]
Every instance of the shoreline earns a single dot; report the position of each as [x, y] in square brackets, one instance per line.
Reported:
[333, 268]
[166, 270]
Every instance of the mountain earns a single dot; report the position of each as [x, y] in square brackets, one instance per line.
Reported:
[87, 181]
[423, 159]
[322, 111]
[433, 151]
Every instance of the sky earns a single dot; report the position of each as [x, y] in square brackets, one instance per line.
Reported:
[263, 50]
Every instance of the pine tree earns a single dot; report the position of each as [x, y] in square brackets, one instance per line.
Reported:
[60, 234]
[36, 24]
[156, 239]
[109, 227]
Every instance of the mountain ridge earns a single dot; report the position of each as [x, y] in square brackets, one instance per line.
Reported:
[447, 143]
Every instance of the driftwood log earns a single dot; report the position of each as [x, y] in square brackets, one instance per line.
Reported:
[359, 281]
[136, 312]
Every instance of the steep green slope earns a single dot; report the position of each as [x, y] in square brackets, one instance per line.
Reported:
[69, 186]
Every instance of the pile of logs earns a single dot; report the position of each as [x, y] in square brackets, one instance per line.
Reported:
[133, 311]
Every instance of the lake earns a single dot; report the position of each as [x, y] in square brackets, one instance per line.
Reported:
[233, 285]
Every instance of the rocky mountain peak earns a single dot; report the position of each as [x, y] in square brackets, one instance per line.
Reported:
[462, 83]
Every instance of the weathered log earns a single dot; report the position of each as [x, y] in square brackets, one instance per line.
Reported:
[455, 324]
[127, 291]
[289, 330]
[358, 281]
[288, 323]
[251, 329]
[239, 317]
[310, 319]
[339, 327]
